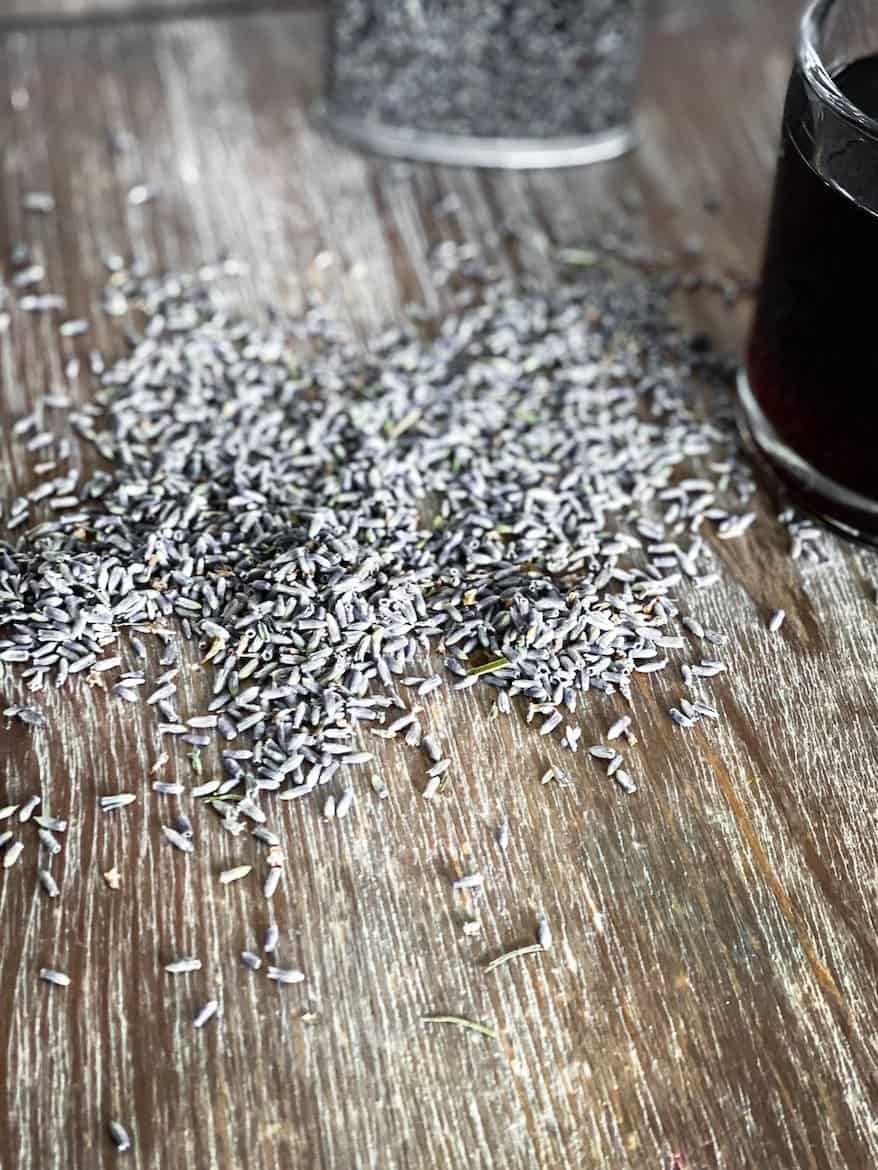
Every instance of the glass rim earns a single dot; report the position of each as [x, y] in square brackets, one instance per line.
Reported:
[818, 76]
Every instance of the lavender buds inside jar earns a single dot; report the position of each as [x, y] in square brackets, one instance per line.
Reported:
[501, 83]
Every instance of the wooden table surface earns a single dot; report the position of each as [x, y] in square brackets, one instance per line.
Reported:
[711, 996]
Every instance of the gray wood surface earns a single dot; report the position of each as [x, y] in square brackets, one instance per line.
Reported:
[710, 999]
[30, 13]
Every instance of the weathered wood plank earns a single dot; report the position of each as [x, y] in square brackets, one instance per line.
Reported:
[712, 985]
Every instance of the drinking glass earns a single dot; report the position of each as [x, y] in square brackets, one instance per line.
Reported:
[809, 393]
[500, 83]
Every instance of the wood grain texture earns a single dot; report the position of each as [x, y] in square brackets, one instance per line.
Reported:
[712, 992]
[35, 13]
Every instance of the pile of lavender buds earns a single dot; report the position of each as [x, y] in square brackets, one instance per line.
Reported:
[344, 530]
[478, 67]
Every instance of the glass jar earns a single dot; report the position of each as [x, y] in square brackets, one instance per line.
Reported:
[808, 394]
[500, 83]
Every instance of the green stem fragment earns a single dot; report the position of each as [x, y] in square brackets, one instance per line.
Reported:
[530, 949]
[462, 1022]
[489, 667]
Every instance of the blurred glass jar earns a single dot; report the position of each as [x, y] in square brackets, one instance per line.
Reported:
[500, 83]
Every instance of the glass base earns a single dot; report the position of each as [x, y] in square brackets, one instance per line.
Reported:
[464, 150]
[846, 511]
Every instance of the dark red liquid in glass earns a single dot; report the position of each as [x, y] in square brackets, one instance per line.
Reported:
[813, 359]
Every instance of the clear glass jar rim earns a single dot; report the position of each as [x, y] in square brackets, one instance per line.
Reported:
[818, 76]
